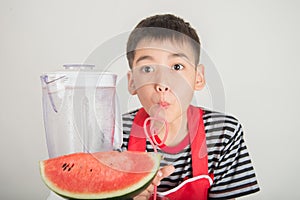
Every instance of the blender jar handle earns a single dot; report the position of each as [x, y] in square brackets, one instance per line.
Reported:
[47, 82]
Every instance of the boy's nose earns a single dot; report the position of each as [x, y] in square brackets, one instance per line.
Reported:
[162, 88]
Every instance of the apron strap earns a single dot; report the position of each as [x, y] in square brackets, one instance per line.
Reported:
[198, 142]
[137, 137]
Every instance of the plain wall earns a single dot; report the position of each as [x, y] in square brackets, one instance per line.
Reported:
[254, 45]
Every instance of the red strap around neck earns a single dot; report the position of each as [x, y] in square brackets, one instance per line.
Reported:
[137, 138]
[198, 140]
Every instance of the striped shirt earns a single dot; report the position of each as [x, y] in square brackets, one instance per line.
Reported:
[228, 158]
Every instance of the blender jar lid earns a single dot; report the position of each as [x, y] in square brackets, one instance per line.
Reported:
[82, 75]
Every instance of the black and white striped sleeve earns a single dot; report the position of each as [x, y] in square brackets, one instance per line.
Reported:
[234, 175]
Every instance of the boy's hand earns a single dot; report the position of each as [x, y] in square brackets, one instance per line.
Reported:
[162, 173]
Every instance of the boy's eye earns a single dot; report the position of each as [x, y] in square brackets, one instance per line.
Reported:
[147, 69]
[177, 67]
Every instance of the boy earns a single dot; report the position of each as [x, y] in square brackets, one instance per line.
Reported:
[204, 151]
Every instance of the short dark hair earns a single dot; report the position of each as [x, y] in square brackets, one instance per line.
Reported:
[165, 26]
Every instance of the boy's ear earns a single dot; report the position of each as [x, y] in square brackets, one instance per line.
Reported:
[200, 79]
[131, 85]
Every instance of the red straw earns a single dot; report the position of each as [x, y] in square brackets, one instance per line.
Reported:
[153, 141]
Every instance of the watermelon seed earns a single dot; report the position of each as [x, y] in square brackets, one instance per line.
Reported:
[63, 165]
[91, 170]
[71, 167]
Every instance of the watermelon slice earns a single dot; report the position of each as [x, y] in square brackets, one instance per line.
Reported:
[102, 175]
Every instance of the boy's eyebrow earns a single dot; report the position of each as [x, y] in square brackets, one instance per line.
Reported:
[182, 55]
[146, 57]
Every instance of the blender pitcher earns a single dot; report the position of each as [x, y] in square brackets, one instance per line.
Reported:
[81, 112]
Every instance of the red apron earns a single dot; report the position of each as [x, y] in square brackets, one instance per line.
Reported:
[195, 188]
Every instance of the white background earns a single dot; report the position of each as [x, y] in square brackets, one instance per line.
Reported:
[253, 44]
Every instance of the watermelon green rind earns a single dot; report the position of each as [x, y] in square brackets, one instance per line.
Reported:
[124, 193]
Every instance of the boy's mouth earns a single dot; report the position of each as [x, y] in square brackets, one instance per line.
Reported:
[164, 104]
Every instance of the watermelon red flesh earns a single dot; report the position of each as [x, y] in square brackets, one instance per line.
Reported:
[100, 175]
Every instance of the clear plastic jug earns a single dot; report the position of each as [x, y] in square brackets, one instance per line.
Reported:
[81, 111]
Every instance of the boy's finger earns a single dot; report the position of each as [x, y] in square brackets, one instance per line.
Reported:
[146, 194]
[162, 173]
[167, 170]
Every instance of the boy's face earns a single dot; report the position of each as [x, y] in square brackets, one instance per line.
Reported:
[164, 76]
